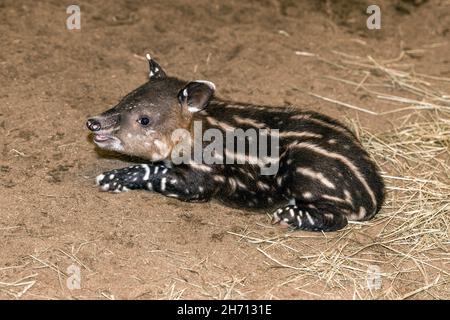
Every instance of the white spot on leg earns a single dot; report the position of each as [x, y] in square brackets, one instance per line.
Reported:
[299, 221]
[111, 176]
[99, 178]
[163, 184]
[105, 187]
[292, 213]
[310, 219]
[147, 172]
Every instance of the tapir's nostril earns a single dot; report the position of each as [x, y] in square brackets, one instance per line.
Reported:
[93, 125]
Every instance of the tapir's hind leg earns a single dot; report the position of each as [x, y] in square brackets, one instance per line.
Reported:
[310, 218]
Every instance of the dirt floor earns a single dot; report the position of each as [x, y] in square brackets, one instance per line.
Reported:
[139, 245]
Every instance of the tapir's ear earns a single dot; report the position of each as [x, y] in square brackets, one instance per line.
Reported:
[196, 95]
[155, 70]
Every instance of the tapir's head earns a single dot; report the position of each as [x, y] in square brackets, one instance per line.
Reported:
[141, 124]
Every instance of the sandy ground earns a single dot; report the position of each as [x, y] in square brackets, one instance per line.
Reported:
[139, 244]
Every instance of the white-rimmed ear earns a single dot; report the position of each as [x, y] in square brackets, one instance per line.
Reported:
[155, 70]
[195, 95]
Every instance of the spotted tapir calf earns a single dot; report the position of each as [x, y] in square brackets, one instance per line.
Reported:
[324, 177]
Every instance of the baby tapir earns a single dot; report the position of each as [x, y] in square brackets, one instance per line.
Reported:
[323, 179]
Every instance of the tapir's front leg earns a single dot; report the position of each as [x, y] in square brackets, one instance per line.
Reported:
[179, 182]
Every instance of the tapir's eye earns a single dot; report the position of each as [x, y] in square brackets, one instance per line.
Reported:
[144, 121]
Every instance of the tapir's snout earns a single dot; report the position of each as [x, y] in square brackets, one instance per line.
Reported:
[105, 122]
[93, 125]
